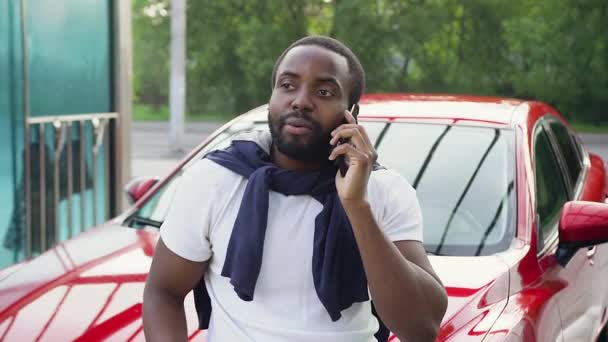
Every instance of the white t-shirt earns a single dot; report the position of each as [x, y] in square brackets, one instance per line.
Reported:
[285, 306]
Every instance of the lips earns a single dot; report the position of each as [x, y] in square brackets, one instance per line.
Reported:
[298, 122]
[297, 126]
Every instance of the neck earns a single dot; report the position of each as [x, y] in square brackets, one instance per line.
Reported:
[285, 162]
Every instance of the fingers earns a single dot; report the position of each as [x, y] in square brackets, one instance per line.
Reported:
[355, 134]
[347, 150]
[344, 126]
[352, 123]
[349, 117]
[366, 137]
[356, 158]
[359, 143]
[348, 133]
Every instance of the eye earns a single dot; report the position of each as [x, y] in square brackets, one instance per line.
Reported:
[286, 85]
[325, 93]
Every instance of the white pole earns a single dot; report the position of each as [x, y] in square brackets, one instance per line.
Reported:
[177, 84]
[123, 89]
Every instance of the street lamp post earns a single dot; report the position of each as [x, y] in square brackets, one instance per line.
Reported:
[177, 84]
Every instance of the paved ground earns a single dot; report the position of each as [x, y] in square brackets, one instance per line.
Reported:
[150, 146]
[597, 143]
[150, 139]
[151, 155]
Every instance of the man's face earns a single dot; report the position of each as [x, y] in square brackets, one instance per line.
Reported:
[308, 101]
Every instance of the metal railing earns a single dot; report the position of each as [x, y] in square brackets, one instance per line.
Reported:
[56, 150]
[110, 143]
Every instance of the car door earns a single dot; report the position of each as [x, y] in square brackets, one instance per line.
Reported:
[581, 302]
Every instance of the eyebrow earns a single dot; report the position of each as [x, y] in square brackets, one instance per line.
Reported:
[322, 79]
[329, 79]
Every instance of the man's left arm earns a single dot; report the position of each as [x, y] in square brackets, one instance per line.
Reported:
[407, 293]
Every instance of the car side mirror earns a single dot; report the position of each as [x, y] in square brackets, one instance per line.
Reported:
[138, 187]
[581, 224]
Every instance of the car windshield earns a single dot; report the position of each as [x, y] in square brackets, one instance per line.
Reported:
[464, 178]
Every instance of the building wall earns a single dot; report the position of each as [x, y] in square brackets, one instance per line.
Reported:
[69, 59]
[69, 53]
[11, 131]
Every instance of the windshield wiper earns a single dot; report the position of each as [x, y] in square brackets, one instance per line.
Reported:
[144, 221]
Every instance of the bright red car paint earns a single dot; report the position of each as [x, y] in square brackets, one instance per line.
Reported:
[582, 221]
[593, 190]
[90, 288]
[137, 188]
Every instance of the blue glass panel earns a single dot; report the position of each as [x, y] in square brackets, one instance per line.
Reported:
[11, 136]
[69, 54]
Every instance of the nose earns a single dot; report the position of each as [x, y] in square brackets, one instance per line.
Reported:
[302, 102]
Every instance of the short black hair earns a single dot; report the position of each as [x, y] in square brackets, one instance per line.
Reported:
[355, 69]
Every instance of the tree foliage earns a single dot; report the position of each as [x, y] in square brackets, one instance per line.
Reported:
[551, 50]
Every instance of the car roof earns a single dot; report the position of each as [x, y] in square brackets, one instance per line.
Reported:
[449, 109]
[456, 109]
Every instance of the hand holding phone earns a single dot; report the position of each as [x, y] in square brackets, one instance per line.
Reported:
[340, 161]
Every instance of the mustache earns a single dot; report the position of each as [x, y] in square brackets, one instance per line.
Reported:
[299, 115]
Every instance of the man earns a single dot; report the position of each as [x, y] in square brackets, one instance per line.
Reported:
[290, 249]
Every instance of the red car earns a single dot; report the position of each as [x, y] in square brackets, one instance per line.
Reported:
[514, 226]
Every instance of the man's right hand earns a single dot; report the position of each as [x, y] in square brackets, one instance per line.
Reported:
[170, 279]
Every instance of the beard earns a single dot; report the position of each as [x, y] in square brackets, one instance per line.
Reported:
[314, 147]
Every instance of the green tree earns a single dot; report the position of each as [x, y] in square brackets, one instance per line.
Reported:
[552, 50]
[232, 46]
[559, 51]
[151, 52]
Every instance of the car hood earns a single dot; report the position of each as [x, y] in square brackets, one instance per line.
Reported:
[477, 289]
[87, 288]
[91, 288]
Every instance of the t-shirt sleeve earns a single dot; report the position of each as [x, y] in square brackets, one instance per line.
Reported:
[400, 216]
[185, 230]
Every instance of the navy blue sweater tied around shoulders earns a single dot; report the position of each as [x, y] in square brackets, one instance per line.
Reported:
[338, 273]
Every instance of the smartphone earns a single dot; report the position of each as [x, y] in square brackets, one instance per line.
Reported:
[341, 160]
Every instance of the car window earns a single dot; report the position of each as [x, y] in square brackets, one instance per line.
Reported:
[154, 210]
[464, 178]
[551, 192]
[568, 149]
[152, 213]
[157, 207]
